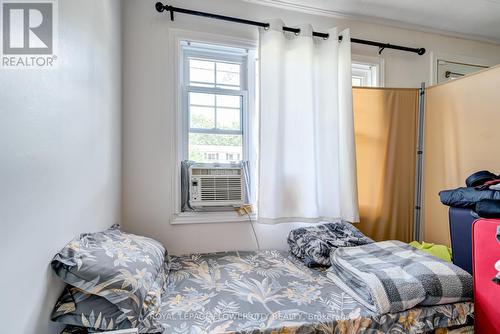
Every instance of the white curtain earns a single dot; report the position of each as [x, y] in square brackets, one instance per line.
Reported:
[307, 163]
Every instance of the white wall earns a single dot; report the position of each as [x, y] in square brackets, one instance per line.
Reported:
[148, 159]
[59, 158]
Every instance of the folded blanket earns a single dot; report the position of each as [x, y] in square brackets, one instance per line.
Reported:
[391, 276]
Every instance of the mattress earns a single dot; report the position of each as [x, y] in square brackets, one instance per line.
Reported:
[273, 292]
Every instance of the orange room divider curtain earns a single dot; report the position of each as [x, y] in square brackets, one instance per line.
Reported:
[385, 122]
[462, 136]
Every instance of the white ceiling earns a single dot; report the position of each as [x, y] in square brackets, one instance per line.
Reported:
[477, 19]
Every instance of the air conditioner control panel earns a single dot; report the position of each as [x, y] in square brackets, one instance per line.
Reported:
[195, 188]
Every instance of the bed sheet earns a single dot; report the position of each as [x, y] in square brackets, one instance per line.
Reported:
[273, 292]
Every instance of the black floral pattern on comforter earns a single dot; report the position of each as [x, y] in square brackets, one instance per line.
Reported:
[273, 292]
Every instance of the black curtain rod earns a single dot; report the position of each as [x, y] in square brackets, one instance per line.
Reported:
[161, 8]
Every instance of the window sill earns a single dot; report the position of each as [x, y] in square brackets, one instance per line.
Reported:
[209, 218]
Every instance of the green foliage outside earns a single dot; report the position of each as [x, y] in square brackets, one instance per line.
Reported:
[199, 121]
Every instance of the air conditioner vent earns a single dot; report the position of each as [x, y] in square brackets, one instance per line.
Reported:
[216, 186]
[216, 171]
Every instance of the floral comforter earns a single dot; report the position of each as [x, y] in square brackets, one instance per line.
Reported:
[273, 292]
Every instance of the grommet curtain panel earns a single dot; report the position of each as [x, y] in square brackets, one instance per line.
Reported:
[307, 151]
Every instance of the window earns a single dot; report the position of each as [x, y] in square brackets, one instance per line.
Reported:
[233, 156]
[211, 156]
[449, 70]
[214, 83]
[365, 74]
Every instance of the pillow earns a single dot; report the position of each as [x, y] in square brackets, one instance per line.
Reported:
[74, 330]
[313, 244]
[127, 270]
[78, 308]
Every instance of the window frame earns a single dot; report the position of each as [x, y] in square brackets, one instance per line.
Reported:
[367, 73]
[377, 68]
[172, 94]
[437, 56]
[216, 53]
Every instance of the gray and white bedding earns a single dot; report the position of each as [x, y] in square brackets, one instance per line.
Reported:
[118, 280]
[115, 281]
[391, 276]
[274, 292]
[313, 244]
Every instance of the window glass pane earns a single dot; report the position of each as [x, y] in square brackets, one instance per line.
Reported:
[450, 70]
[201, 71]
[202, 76]
[356, 81]
[229, 101]
[228, 112]
[228, 119]
[228, 74]
[364, 75]
[228, 67]
[215, 148]
[202, 117]
[201, 99]
[202, 64]
[215, 123]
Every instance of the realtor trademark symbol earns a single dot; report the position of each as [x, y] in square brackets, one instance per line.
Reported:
[27, 28]
[28, 33]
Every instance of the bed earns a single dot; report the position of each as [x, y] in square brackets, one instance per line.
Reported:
[273, 292]
[116, 280]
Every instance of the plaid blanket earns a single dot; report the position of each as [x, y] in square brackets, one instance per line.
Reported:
[391, 276]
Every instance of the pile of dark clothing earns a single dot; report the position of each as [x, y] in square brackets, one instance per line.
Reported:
[482, 195]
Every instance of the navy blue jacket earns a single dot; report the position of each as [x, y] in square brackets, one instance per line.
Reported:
[466, 197]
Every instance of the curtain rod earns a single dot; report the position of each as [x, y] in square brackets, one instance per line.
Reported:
[161, 8]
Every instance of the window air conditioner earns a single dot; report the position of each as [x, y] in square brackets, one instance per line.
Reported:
[216, 186]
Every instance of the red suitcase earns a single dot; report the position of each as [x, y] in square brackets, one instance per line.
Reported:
[486, 252]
